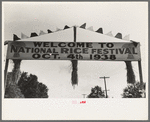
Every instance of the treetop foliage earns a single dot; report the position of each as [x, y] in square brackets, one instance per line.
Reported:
[96, 92]
[30, 86]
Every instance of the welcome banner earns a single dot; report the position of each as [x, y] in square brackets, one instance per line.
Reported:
[108, 51]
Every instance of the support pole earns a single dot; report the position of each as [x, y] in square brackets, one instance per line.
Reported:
[5, 73]
[74, 75]
[140, 72]
[74, 28]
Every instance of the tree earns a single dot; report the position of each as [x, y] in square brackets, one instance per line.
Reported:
[31, 88]
[134, 91]
[96, 92]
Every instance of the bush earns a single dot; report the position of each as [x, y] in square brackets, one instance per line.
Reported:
[96, 92]
[134, 91]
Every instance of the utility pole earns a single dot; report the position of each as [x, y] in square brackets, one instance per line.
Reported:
[84, 95]
[106, 90]
[105, 84]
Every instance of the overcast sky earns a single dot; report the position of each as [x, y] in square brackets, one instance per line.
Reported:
[124, 17]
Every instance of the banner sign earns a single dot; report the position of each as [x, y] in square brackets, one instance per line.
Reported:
[107, 51]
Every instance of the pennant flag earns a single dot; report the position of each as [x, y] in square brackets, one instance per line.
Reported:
[83, 26]
[33, 34]
[90, 28]
[127, 37]
[66, 27]
[119, 36]
[100, 30]
[42, 32]
[109, 33]
[49, 31]
[57, 29]
[6, 42]
[23, 36]
[15, 37]
[134, 43]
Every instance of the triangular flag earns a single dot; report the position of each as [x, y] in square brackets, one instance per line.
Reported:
[66, 27]
[57, 29]
[83, 26]
[33, 34]
[23, 36]
[15, 37]
[109, 33]
[90, 28]
[49, 31]
[6, 42]
[119, 36]
[42, 32]
[127, 37]
[134, 43]
[100, 30]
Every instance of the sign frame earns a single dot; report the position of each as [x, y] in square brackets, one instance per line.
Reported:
[95, 51]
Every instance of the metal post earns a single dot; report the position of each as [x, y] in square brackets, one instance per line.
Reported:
[140, 72]
[5, 73]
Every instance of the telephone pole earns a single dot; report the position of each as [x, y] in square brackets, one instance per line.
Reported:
[105, 84]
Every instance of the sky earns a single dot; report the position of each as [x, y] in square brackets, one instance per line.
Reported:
[124, 17]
